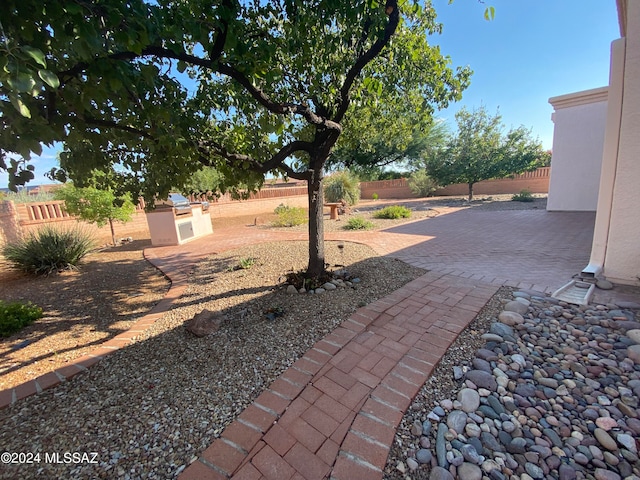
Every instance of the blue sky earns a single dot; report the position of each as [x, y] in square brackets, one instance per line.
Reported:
[531, 51]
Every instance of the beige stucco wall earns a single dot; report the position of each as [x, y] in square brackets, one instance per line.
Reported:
[578, 139]
[622, 256]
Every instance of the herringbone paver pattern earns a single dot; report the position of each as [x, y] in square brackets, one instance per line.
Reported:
[529, 248]
[334, 412]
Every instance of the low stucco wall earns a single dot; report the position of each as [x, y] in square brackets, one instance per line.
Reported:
[249, 207]
[578, 139]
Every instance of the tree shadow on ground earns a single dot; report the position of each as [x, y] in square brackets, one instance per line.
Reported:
[81, 308]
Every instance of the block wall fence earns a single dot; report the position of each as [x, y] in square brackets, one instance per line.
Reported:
[536, 181]
[17, 220]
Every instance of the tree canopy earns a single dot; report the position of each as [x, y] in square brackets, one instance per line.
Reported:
[99, 206]
[155, 90]
[482, 150]
[387, 132]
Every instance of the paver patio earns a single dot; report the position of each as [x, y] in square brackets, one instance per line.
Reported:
[334, 412]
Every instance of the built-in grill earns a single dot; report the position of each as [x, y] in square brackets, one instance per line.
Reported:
[179, 203]
[176, 220]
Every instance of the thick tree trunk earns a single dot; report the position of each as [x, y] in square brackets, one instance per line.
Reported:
[316, 225]
[470, 192]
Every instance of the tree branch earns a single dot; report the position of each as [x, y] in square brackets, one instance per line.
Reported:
[218, 45]
[276, 161]
[110, 124]
[151, 50]
[391, 9]
[275, 107]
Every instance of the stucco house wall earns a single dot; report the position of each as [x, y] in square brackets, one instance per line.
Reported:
[578, 139]
[616, 246]
[615, 251]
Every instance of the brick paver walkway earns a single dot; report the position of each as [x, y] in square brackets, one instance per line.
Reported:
[334, 412]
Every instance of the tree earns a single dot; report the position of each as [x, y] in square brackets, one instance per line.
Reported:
[97, 206]
[203, 182]
[385, 133]
[480, 150]
[156, 90]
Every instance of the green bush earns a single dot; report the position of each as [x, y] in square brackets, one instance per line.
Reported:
[358, 223]
[49, 250]
[422, 184]
[342, 186]
[393, 212]
[523, 196]
[15, 315]
[375, 196]
[23, 196]
[289, 216]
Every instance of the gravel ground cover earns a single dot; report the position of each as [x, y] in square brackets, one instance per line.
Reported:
[82, 309]
[533, 389]
[148, 410]
[115, 286]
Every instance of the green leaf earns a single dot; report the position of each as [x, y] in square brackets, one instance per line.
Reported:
[35, 54]
[49, 78]
[489, 13]
[20, 107]
[23, 82]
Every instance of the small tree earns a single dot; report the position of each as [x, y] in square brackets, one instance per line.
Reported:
[96, 206]
[481, 151]
[205, 181]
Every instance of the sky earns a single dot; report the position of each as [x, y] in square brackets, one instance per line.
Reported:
[531, 51]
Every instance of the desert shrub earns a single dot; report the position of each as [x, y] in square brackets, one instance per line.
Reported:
[524, 196]
[49, 250]
[342, 186]
[358, 223]
[16, 315]
[281, 208]
[23, 196]
[393, 212]
[289, 216]
[422, 184]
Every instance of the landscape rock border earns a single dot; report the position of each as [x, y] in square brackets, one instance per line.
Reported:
[554, 395]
